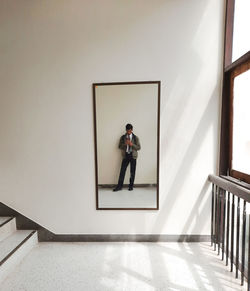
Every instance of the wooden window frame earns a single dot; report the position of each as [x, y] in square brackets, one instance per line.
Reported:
[231, 70]
[238, 70]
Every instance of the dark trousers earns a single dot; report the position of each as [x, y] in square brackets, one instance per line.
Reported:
[128, 159]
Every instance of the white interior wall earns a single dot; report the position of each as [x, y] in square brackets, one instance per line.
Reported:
[117, 105]
[51, 53]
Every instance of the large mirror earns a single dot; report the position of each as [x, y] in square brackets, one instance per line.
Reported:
[126, 117]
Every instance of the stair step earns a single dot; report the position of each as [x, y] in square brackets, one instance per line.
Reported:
[14, 248]
[4, 219]
[7, 226]
[11, 242]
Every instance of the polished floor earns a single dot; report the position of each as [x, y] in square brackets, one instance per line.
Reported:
[142, 197]
[121, 267]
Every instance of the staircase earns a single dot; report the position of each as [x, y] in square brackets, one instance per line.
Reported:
[14, 244]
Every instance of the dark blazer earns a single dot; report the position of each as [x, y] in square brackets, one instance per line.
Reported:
[135, 147]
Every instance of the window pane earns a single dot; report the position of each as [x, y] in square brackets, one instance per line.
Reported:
[241, 123]
[241, 33]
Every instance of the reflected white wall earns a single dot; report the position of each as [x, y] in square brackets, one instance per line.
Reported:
[117, 105]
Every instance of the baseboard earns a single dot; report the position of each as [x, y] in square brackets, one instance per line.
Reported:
[126, 185]
[48, 236]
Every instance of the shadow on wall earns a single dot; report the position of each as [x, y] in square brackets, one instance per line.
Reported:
[180, 95]
[181, 87]
[182, 175]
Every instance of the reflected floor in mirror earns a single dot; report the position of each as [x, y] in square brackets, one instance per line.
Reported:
[141, 197]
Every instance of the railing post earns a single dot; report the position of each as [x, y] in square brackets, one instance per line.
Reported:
[220, 218]
[232, 236]
[248, 276]
[237, 238]
[216, 217]
[212, 216]
[228, 225]
[243, 244]
[223, 223]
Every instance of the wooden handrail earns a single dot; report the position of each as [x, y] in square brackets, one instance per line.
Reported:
[230, 187]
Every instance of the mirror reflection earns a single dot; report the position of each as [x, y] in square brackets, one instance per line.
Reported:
[127, 144]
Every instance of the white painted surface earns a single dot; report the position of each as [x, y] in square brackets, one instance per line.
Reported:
[122, 266]
[51, 53]
[8, 228]
[10, 243]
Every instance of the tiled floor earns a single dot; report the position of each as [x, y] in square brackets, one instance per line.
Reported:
[121, 266]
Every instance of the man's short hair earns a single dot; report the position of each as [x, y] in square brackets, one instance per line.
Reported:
[129, 126]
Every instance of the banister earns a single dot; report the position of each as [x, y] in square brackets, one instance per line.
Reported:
[226, 224]
[230, 187]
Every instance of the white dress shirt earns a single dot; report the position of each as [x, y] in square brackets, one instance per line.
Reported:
[130, 137]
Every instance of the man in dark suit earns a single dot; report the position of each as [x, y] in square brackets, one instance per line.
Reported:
[129, 145]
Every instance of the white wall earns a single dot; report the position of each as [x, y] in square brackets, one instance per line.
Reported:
[117, 105]
[51, 53]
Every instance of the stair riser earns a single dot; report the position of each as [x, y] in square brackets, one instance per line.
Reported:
[7, 229]
[8, 266]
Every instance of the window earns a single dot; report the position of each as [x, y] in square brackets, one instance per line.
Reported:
[240, 105]
[235, 131]
[241, 25]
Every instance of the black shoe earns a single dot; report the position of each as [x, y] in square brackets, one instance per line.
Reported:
[117, 189]
[130, 188]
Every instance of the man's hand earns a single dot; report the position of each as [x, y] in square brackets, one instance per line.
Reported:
[129, 142]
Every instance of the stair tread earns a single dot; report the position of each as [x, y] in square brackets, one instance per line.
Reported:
[12, 241]
[4, 218]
